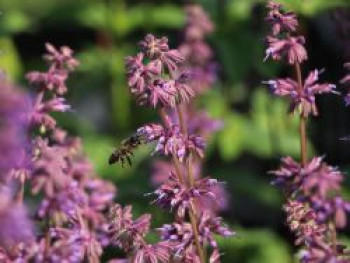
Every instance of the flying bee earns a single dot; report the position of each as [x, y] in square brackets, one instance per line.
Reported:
[125, 150]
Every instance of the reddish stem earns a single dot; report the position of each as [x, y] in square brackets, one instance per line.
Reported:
[302, 126]
[192, 215]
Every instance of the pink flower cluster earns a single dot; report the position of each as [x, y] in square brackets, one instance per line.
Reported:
[199, 61]
[301, 98]
[71, 218]
[198, 54]
[75, 216]
[16, 228]
[173, 195]
[130, 235]
[52, 86]
[172, 141]
[319, 185]
[146, 81]
[312, 235]
[315, 207]
[281, 45]
[163, 84]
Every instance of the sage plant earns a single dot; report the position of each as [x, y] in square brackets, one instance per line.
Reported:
[70, 222]
[75, 216]
[158, 78]
[199, 61]
[17, 230]
[315, 208]
[71, 213]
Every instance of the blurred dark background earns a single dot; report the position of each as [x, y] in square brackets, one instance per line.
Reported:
[257, 130]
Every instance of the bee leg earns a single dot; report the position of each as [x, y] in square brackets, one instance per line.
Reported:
[112, 159]
[129, 160]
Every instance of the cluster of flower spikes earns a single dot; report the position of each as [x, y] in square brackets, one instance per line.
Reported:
[196, 51]
[147, 81]
[315, 205]
[71, 216]
[283, 45]
[179, 191]
[129, 235]
[16, 228]
[199, 61]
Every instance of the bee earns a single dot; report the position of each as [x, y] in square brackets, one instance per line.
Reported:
[125, 150]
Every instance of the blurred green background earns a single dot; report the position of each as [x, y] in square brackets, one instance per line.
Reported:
[257, 131]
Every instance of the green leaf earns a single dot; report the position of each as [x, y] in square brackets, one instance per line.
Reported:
[240, 9]
[254, 246]
[231, 137]
[9, 59]
[169, 16]
[93, 15]
[277, 130]
[312, 7]
[15, 21]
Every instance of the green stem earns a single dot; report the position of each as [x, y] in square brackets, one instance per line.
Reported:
[192, 213]
[20, 193]
[302, 125]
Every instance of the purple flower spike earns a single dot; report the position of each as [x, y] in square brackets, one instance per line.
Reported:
[149, 80]
[153, 253]
[280, 21]
[61, 63]
[167, 80]
[292, 49]
[15, 225]
[139, 74]
[182, 237]
[127, 233]
[151, 132]
[174, 142]
[49, 168]
[302, 98]
[174, 196]
[14, 108]
[159, 49]
[62, 58]
[198, 23]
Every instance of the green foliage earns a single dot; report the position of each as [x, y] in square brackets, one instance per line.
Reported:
[121, 20]
[230, 139]
[240, 9]
[266, 132]
[9, 60]
[312, 7]
[254, 246]
[15, 21]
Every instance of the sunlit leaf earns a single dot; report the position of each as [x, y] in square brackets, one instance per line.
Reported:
[253, 246]
[231, 138]
[9, 60]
